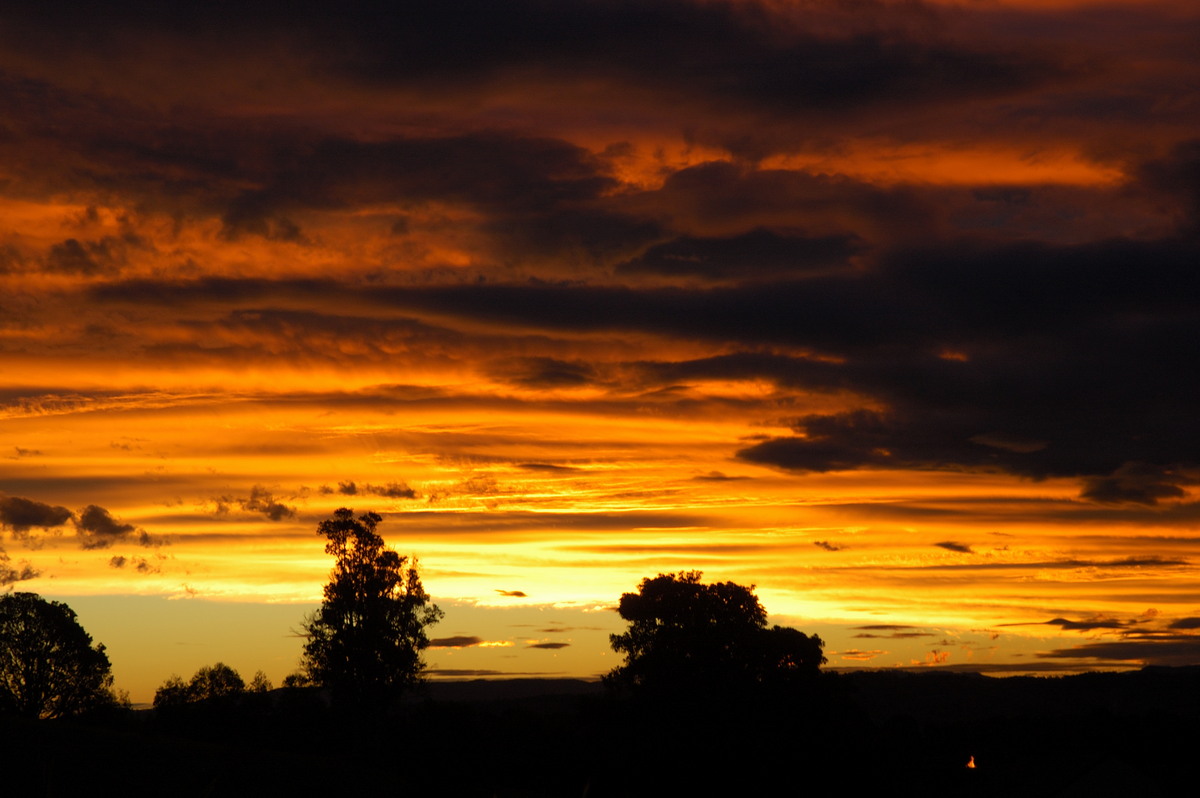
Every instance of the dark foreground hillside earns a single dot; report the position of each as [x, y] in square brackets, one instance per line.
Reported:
[902, 733]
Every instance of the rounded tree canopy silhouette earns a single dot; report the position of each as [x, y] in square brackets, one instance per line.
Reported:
[365, 641]
[684, 634]
[210, 683]
[48, 665]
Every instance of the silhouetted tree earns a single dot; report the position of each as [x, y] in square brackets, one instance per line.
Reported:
[260, 683]
[365, 641]
[172, 693]
[295, 681]
[216, 681]
[787, 655]
[48, 665]
[208, 683]
[684, 634]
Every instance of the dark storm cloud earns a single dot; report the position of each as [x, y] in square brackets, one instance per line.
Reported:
[885, 627]
[598, 235]
[950, 545]
[548, 645]
[1019, 667]
[826, 545]
[10, 574]
[88, 258]
[97, 529]
[139, 564]
[717, 476]
[512, 593]
[1137, 483]
[983, 509]
[261, 501]
[783, 313]
[1034, 359]
[814, 56]
[997, 297]
[739, 51]
[20, 514]
[1175, 650]
[220, 292]
[391, 490]
[721, 193]
[502, 173]
[534, 191]
[544, 372]
[1087, 626]
[11, 260]
[1043, 329]
[1178, 174]
[461, 641]
[757, 254]
[308, 332]
[1063, 564]
[70, 256]
[95, 142]
[894, 631]
[1008, 195]
[976, 297]
[465, 672]
[1074, 362]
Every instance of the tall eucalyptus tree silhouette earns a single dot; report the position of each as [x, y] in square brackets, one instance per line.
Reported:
[365, 641]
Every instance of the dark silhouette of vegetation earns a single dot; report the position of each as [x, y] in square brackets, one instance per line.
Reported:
[365, 641]
[685, 635]
[209, 683]
[48, 665]
[260, 683]
[217, 681]
[862, 733]
[295, 681]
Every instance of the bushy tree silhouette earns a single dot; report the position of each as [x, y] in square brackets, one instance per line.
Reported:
[217, 681]
[209, 683]
[684, 635]
[365, 641]
[260, 683]
[172, 693]
[48, 665]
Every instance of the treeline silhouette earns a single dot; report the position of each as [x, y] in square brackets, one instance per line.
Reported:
[883, 731]
[709, 700]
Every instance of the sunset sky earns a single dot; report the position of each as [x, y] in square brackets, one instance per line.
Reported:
[890, 308]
